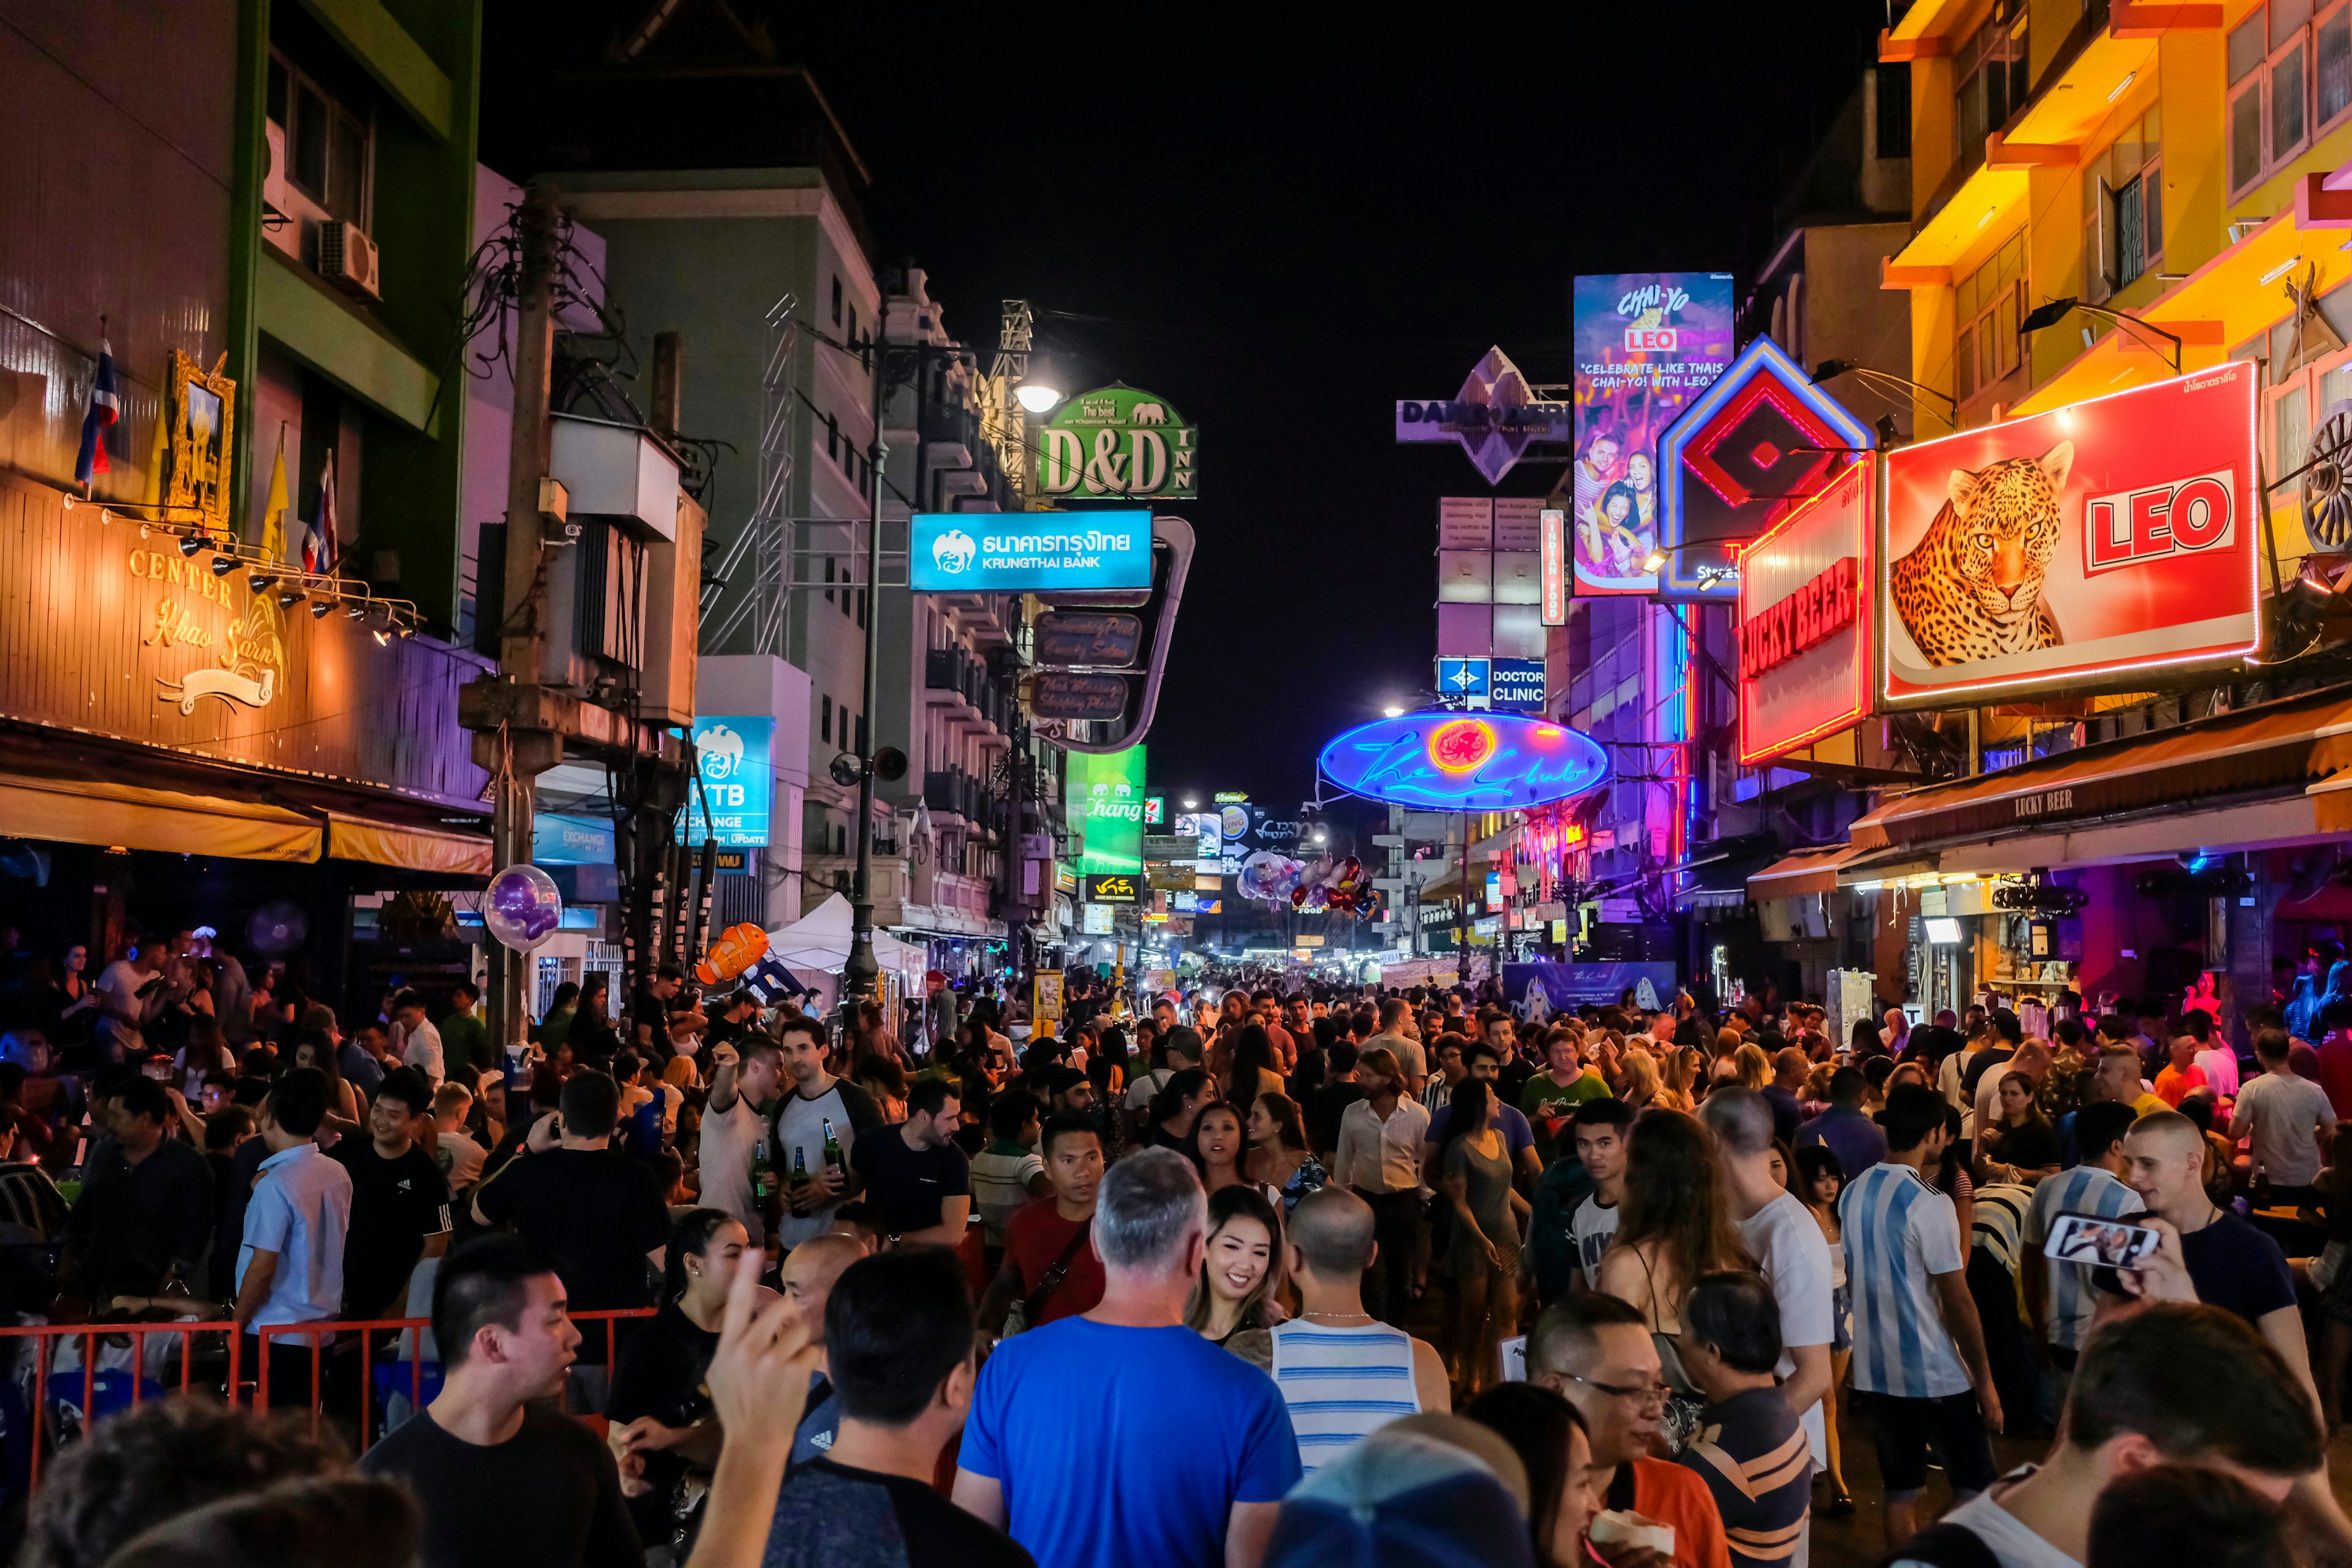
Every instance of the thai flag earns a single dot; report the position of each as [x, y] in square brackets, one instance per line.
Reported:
[319, 536]
[105, 409]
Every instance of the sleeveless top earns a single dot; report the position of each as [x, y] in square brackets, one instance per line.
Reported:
[1342, 1383]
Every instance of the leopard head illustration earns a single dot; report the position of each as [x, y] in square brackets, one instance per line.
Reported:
[2006, 528]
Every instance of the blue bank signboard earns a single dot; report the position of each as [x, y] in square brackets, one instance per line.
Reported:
[1028, 552]
[737, 783]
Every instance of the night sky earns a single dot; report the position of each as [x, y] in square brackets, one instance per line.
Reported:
[1282, 234]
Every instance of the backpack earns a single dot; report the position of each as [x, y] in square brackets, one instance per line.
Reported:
[1946, 1545]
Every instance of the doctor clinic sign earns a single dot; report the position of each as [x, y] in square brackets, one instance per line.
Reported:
[2067, 550]
[1116, 443]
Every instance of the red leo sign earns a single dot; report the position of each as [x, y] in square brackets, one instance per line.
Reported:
[1784, 630]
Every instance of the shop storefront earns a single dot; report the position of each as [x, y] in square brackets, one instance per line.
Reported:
[191, 747]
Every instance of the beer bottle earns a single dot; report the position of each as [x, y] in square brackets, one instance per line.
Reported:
[832, 1149]
[799, 1176]
[763, 1171]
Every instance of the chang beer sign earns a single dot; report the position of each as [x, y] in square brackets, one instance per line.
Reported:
[1106, 806]
[1117, 442]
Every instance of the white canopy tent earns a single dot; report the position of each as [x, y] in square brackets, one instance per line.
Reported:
[820, 940]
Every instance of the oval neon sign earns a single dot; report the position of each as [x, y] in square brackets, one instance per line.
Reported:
[1463, 761]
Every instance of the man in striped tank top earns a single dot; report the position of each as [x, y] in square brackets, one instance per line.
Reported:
[1342, 1372]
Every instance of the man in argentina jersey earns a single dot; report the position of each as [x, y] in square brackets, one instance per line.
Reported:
[1918, 1348]
[2060, 1295]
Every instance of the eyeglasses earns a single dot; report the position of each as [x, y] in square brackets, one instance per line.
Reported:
[1648, 1395]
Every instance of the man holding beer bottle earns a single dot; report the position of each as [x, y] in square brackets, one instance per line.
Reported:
[812, 1133]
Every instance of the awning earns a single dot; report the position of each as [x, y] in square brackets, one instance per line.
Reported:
[120, 816]
[410, 849]
[2275, 744]
[1806, 871]
[1719, 880]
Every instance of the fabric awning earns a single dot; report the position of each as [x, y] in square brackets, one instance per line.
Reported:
[410, 849]
[2273, 745]
[120, 816]
[1806, 871]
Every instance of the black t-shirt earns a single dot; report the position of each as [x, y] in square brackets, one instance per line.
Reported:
[661, 1374]
[2031, 1147]
[2236, 1267]
[548, 1497]
[903, 1185]
[830, 1516]
[1323, 1111]
[396, 1207]
[595, 1213]
[1984, 1062]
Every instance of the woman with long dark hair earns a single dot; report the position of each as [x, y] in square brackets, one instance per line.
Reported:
[1253, 1071]
[1673, 1226]
[1175, 1110]
[1474, 1163]
[658, 1386]
[1241, 1272]
[1278, 1154]
[1548, 1435]
[2021, 1146]
[556, 1026]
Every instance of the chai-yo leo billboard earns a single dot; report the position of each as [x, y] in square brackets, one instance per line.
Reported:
[1646, 344]
[2066, 550]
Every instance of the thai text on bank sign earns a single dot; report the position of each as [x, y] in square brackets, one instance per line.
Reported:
[1044, 552]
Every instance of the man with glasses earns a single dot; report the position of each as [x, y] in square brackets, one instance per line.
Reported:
[1596, 1352]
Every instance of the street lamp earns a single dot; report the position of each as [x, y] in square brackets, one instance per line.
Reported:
[1038, 391]
[1393, 712]
[1829, 369]
[2050, 314]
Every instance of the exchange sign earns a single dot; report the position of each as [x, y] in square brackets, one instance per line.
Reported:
[738, 784]
[1028, 552]
[2069, 549]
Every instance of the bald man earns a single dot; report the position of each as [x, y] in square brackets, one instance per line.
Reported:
[1343, 1373]
[2232, 1265]
[809, 1272]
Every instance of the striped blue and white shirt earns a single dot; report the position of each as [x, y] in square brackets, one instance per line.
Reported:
[2085, 1189]
[1341, 1384]
[1899, 1233]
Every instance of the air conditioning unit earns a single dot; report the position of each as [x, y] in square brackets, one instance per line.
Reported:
[273, 181]
[347, 258]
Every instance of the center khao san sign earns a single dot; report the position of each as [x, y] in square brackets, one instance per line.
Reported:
[2064, 551]
[1117, 442]
[1805, 620]
[1448, 759]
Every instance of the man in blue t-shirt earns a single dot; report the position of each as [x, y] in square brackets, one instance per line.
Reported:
[1126, 1378]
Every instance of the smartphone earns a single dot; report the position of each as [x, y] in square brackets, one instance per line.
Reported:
[2100, 1242]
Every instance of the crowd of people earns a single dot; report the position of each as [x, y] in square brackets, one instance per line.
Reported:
[1258, 1275]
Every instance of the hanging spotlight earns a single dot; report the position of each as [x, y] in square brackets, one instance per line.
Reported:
[224, 564]
[406, 631]
[105, 515]
[319, 608]
[143, 530]
[381, 636]
[191, 545]
[356, 611]
[289, 597]
[261, 582]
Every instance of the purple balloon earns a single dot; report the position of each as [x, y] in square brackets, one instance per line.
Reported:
[522, 907]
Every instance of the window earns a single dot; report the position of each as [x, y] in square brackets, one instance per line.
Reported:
[837, 300]
[2290, 80]
[330, 143]
[828, 577]
[861, 607]
[1990, 71]
[2123, 203]
[1894, 128]
[824, 719]
[861, 734]
[1988, 305]
[832, 437]
[853, 325]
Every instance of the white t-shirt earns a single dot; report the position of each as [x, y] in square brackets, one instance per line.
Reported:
[728, 1137]
[2280, 1110]
[419, 1048]
[466, 1159]
[2219, 1066]
[119, 984]
[800, 1129]
[1594, 1226]
[1787, 1245]
[1139, 1092]
[2012, 1545]
[1900, 1234]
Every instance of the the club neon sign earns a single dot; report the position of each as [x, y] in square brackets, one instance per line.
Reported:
[1444, 761]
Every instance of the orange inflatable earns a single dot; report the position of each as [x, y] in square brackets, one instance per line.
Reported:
[736, 950]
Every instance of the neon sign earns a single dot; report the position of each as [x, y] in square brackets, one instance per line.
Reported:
[1458, 761]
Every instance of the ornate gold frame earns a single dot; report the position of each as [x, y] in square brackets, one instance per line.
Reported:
[199, 478]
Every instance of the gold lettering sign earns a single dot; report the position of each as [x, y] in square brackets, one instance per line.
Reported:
[252, 645]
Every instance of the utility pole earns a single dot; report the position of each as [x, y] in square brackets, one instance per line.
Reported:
[522, 754]
[860, 971]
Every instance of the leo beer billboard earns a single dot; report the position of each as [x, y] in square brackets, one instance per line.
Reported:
[1805, 621]
[2059, 552]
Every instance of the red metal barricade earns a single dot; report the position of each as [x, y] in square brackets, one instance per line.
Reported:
[322, 1339]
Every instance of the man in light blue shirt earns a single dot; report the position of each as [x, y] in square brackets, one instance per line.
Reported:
[289, 1269]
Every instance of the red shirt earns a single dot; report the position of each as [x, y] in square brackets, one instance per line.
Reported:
[2335, 1071]
[1673, 1495]
[1034, 1240]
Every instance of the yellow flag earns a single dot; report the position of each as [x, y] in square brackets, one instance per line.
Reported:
[273, 512]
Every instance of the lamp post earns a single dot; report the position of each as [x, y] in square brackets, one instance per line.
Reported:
[2050, 314]
[1830, 369]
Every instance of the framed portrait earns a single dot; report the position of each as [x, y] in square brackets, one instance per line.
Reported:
[202, 411]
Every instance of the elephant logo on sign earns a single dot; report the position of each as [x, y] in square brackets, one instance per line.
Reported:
[952, 551]
[1148, 413]
[722, 752]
